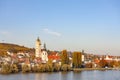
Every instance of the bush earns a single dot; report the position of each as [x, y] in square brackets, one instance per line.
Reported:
[69, 68]
[35, 68]
[56, 67]
[41, 68]
[14, 68]
[49, 67]
[25, 68]
[65, 67]
[5, 69]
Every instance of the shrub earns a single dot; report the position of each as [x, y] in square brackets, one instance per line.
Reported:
[69, 68]
[14, 68]
[49, 67]
[35, 68]
[56, 67]
[25, 68]
[41, 68]
[5, 69]
[65, 67]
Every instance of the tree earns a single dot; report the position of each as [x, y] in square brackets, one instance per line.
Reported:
[25, 68]
[56, 67]
[64, 57]
[5, 69]
[48, 68]
[102, 63]
[35, 68]
[77, 59]
[114, 64]
[88, 65]
[41, 68]
[65, 67]
[14, 68]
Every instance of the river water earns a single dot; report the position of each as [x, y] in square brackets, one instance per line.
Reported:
[83, 75]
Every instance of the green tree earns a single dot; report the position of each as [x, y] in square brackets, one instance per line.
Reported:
[64, 57]
[77, 59]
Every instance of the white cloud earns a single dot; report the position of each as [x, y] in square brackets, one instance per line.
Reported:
[51, 32]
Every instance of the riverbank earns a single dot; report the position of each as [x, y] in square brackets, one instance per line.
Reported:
[60, 70]
[90, 69]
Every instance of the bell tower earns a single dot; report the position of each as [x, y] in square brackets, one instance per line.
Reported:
[38, 48]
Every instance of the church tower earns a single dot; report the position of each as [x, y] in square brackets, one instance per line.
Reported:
[38, 48]
[44, 47]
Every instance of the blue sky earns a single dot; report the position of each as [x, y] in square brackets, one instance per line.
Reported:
[92, 25]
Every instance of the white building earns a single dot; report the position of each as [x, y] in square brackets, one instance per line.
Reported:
[44, 56]
[38, 48]
[41, 53]
[83, 58]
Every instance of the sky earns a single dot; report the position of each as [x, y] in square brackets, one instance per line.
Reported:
[75, 25]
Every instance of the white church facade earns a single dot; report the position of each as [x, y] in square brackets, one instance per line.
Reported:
[41, 52]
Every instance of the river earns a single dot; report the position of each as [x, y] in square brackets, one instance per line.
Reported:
[83, 75]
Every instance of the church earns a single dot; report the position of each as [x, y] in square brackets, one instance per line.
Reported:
[41, 52]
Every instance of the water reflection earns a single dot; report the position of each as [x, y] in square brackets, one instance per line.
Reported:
[83, 75]
[77, 75]
[66, 76]
[37, 76]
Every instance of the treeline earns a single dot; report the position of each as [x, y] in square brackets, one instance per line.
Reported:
[66, 65]
[14, 68]
[7, 68]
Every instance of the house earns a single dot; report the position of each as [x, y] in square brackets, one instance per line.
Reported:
[54, 57]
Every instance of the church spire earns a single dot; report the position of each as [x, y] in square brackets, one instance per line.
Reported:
[44, 46]
[38, 39]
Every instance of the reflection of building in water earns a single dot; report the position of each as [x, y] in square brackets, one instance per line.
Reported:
[37, 76]
[60, 76]
[40, 76]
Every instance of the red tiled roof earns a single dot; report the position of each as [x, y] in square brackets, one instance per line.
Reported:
[53, 57]
[96, 61]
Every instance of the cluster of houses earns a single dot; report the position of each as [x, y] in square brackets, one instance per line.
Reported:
[96, 59]
[31, 58]
[42, 56]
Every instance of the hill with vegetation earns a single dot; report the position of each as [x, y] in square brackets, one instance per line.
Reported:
[4, 47]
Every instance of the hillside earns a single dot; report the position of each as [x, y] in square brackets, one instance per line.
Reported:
[4, 47]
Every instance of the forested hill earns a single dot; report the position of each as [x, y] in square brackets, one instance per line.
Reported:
[4, 47]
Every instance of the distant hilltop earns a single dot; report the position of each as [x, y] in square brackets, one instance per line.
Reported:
[4, 47]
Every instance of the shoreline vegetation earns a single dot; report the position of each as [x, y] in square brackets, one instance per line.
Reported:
[66, 63]
[92, 69]
[73, 69]
[11, 69]
[47, 68]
